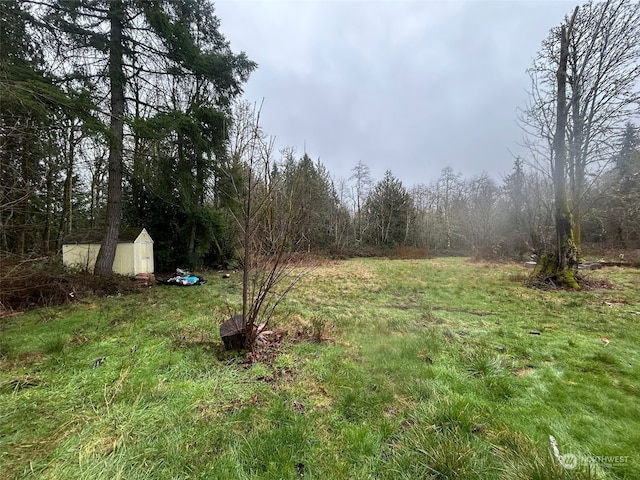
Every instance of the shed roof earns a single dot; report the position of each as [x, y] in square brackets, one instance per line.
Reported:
[126, 235]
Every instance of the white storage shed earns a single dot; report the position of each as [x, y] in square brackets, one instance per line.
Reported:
[134, 253]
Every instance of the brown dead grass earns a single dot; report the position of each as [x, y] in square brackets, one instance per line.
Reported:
[524, 371]
[22, 360]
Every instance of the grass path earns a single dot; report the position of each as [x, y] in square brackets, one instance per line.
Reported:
[428, 370]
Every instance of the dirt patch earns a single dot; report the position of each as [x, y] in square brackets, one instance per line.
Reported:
[20, 383]
[524, 371]
[24, 359]
[586, 283]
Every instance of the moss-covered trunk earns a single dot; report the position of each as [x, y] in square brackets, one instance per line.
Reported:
[561, 266]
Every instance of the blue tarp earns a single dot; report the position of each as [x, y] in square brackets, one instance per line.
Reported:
[184, 279]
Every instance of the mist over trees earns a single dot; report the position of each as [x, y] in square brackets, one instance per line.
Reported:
[130, 113]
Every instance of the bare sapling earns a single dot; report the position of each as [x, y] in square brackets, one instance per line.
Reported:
[271, 262]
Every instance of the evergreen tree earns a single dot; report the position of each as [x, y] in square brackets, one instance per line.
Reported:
[32, 108]
[308, 188]
[389, 209]
[619, 215]
[165, 54]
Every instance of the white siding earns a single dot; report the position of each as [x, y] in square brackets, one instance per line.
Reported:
[130, 259]
[82, 256]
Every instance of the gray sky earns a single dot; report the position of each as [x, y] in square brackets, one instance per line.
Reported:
[407, 86]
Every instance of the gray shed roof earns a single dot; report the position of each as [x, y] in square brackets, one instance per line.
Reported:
[126, 235]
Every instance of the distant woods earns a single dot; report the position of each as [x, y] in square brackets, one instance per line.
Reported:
[134, 108]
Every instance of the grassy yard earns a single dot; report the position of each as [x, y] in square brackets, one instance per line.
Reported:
[427, 370]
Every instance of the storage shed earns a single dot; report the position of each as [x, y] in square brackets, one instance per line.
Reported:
[134, 253]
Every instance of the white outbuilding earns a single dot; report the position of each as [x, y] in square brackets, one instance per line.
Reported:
[134, 253]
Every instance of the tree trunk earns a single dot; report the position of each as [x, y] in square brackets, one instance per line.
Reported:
[246, 261]
[66, 217]
[46, 236]
[577, 162]
[104, 262]
[565, 257]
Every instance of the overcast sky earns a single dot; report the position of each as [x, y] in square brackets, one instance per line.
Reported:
[407, 86]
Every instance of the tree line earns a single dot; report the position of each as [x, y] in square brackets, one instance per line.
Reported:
[130, 113]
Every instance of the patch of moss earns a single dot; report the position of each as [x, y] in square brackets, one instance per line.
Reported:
[547, 270]
[567, 278]
[546, 266]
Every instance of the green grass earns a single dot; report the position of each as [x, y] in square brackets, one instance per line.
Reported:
[427, 370]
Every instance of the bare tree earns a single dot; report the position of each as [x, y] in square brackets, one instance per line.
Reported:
[528, 197]
[448, 196]
[342, 216]
[271, 266]
[602, 75]
[481, 209]
[363, 184]
[561, 265]
[566, 255]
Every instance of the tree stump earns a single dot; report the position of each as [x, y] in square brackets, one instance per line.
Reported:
[234, 333]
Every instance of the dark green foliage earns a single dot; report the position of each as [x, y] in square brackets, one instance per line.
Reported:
[615, 215]
[155, 75]
[32, 108]
[175, 23]
[389, 209]
[169, 190]
[307, 188]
